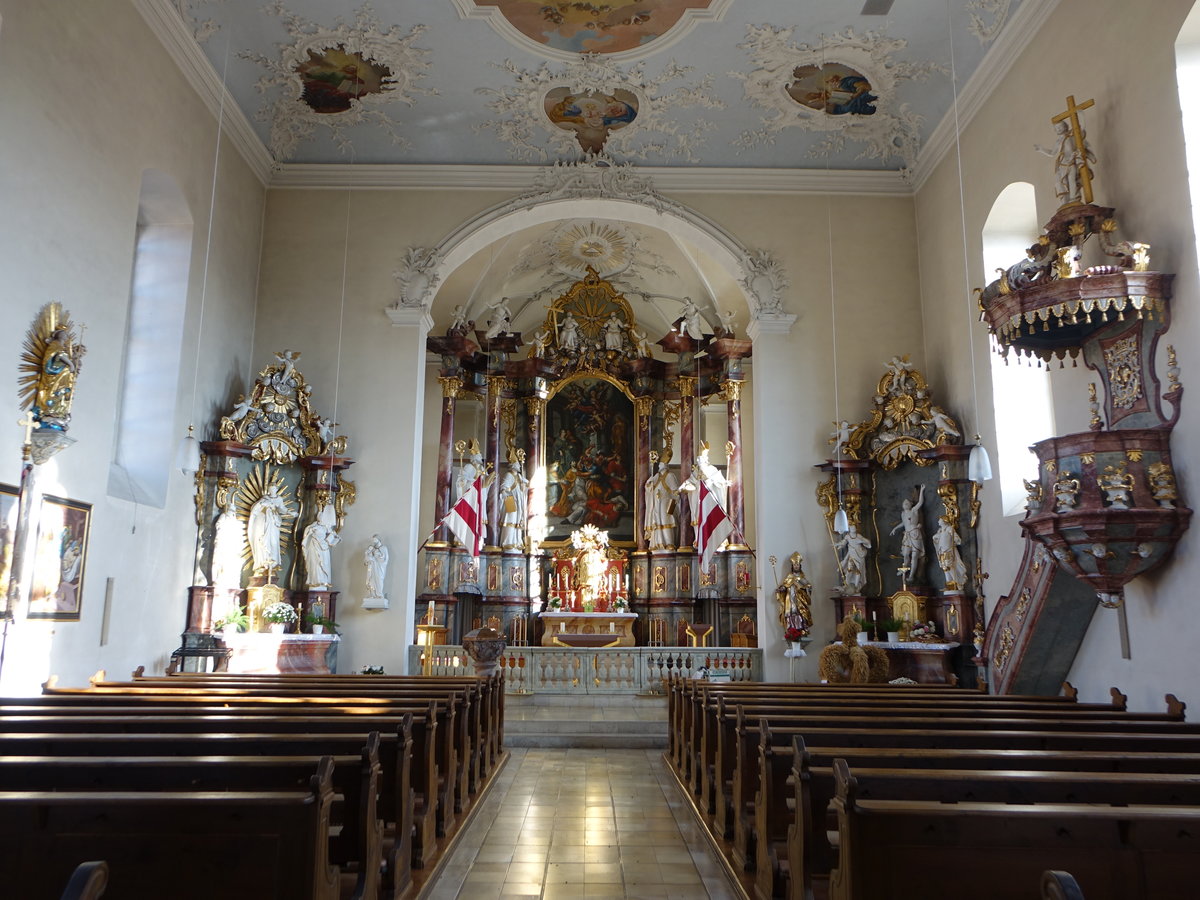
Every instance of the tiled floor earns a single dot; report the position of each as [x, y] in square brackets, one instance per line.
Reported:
[583, 823]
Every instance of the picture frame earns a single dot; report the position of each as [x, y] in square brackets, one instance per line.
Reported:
[59, 558]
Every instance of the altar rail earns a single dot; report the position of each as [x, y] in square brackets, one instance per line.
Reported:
[610, 670]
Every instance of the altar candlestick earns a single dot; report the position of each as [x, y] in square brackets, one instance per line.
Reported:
[432, 609]
[611, 627]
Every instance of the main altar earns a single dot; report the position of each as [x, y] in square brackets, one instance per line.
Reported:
[590, 427]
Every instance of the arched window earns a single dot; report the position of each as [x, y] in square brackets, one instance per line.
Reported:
[144, 446]
[1187, 72]
[1020, 392]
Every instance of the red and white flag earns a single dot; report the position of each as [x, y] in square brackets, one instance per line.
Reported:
[713, 527]
[468, 517]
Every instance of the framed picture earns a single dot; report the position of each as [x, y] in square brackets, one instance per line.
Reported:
[8, 528]
[58, 559]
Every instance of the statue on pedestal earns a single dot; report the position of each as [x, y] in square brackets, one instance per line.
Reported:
[661, 488]
[794, 594]
[912, 544]
[502, 321]
[229, 547]
[514, 488]
[263, 528]
[946, 542]
[853, 561]
[375, 558]
[319, 538]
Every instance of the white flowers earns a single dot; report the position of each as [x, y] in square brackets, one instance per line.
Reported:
[279, 612]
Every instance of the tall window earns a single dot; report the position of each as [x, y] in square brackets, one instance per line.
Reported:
[144, 448]
[1020, 392]
[1187, 72]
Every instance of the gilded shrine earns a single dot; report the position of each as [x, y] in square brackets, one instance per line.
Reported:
[589, 531]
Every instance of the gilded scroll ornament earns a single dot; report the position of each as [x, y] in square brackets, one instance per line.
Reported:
[1124, 372]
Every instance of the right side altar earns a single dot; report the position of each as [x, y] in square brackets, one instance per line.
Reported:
[907, 551]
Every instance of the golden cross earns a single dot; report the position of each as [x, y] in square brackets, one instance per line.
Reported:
[1072, 113]
[27, 422]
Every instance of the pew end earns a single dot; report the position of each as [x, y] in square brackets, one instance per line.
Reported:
[1119, 700]
[1070, 691]
[1058, 885]
[1176, 708]
[88, 881]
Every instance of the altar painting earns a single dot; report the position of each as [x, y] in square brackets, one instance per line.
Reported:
[58, 559]
[589, 460]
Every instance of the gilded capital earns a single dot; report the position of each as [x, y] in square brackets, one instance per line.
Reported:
[643, 406]
[687, 386]
[535, 406]
[732, 391]
[450, 386]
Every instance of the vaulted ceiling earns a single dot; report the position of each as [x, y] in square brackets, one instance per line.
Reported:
[838, 84]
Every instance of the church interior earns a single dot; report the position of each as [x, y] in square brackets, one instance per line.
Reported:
[658, 340]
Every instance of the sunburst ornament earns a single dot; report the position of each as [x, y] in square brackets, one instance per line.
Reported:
[602, 245]
[265, 488]
[49, 366]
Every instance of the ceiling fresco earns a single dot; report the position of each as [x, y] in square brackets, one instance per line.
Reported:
[716, 83]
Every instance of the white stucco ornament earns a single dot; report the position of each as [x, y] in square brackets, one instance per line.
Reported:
[524, 123]
[764, 279]
[886, 127]
[418, 276]
[386, 69]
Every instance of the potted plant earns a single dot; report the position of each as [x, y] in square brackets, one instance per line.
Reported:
[892, 627]
[372, 670]
[795, 637]
[279, 615]
[321, 624]
[232, 622]
[863, 633]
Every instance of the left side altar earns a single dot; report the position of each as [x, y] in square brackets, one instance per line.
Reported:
[271, 499]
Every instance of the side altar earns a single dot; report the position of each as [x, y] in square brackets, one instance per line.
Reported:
[271, 498]
[580, 432]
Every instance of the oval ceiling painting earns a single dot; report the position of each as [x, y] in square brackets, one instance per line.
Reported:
[334, 78]
[580, 27]
[832, 88]
[592, 116]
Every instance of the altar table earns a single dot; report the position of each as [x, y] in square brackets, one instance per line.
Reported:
[260, 653]
[618, 626]
[924, 663]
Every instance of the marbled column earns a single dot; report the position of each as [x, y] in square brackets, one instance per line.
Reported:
[535, 466]
[441, 500]
[495, 385]
[737, 510]
[687, 452]
[642, 407]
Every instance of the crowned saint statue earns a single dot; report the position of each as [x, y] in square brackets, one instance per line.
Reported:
[264, 526]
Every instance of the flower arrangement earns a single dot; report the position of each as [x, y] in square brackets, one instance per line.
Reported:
[925, 632]
[622, 605]
[589, 536]
[324, 621]
[792, 634]
[555, 603]
[372, 670]
[279, 612]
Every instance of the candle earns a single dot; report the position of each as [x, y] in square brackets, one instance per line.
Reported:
[611, 627]
[432, 609]
[872, 615]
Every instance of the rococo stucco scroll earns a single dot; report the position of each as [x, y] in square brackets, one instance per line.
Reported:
[849, 82]
[338, 77]
[593, 104]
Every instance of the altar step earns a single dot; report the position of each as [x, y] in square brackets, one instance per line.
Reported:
[588, 720]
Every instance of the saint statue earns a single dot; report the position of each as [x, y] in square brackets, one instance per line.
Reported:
[568, 333]
[229, 545]
[912, 543]
[691, 325]
[661, 488]
[376, 560]
[794, 594]
[513, 491]
[471, 469]
[945, 544]
[853, 560]
[319, 538]
[613, 338]
[263, 527]
[502, 321]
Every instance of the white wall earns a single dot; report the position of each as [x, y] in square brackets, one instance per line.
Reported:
[91, 100]
[1116, 53]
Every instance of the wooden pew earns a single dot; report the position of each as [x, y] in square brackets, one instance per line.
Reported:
[411, 846]
[434, 778]
[357, 845]
[792, 842]
[455, 742]
[914, 848]
[185, 845]
[948, 732]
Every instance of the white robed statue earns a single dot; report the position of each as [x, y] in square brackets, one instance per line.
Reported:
[319, 538]
[661, 489]
[376, 560]
[264, 526]
[229, 544]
